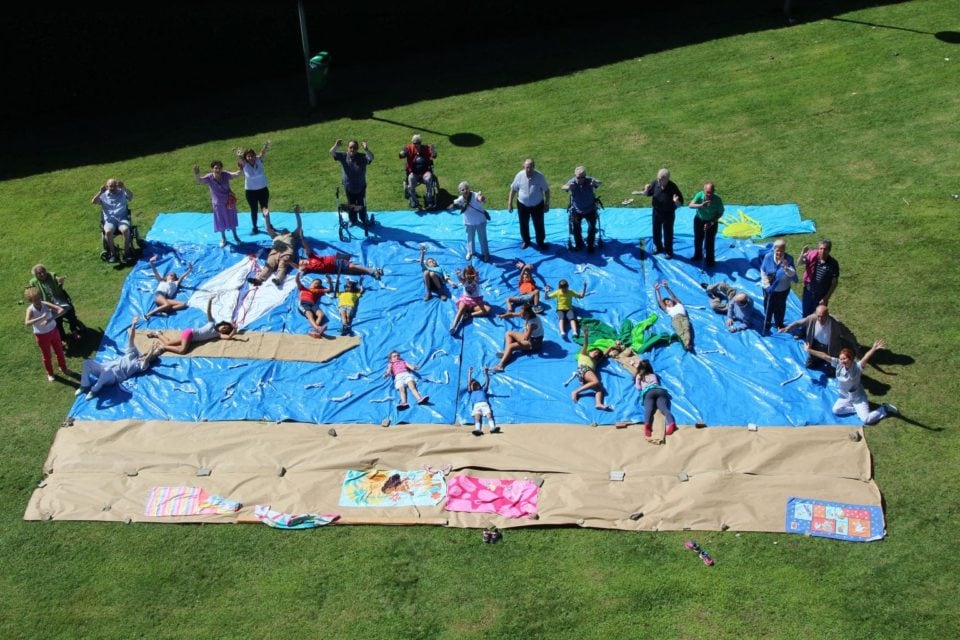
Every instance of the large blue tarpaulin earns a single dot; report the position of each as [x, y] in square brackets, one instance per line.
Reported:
[732, 379]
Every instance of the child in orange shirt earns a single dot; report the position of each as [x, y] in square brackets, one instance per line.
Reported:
[529, 291]
[309, 305]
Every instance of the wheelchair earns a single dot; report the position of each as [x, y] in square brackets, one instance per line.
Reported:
[573, 230]
[411, 196]
[136, 243]
[352, 215]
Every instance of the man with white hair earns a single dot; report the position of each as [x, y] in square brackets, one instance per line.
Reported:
[666, 197]
[113, 197]
[822, 332]
[532, 191]
[420, 170]
[583, 206]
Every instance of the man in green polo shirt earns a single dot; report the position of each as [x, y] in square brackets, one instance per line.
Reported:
[709, 208]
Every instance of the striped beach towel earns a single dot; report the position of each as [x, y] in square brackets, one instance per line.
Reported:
[186, 501]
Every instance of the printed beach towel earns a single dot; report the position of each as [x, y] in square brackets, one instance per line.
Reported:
[508, 498]
[851, 522]
[379, 488]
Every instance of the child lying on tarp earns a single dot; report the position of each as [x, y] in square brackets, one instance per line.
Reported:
[212, 330]
[403, 379]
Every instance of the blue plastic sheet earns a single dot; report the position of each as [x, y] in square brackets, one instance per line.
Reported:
[734, 379]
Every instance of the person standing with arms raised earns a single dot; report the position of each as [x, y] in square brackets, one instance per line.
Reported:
[354, 177]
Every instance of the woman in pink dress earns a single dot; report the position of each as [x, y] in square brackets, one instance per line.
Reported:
[223, 199]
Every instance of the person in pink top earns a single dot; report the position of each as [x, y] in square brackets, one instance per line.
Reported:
[41, 317]
[403, 379]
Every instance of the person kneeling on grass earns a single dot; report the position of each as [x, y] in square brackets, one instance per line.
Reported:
[212, 330]
[530, 340]
[853, 398]
[479, 400]
[587, 362]
[309, 304]
[401, 370]
[96, 375]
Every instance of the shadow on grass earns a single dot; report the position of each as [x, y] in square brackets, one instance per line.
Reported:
[950, 37]
[58, 117]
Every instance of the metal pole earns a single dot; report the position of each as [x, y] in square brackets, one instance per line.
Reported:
[306, 52]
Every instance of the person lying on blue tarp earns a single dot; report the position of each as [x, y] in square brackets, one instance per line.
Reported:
[96, 375]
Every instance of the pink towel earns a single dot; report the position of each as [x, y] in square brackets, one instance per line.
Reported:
[508, 498]
[186, 501]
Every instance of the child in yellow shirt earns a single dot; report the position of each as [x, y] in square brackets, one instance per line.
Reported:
[565, 310]
[347, 301]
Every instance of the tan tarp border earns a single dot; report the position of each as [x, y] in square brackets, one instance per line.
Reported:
[735, 478]
[256, 345]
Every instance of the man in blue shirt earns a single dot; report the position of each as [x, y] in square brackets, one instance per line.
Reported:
[113, 198]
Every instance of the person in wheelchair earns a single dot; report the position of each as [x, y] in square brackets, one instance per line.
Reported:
[354, 178]
[113, 198]
[583, 206]
[420, 159]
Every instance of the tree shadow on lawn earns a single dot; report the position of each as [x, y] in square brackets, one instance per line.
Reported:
[165, 104]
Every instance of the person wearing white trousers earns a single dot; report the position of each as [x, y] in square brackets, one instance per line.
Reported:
[475, 219]
[853, 398]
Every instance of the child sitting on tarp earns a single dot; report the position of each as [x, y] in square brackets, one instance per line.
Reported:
[479, 401]
[309, 304]
[403, 379]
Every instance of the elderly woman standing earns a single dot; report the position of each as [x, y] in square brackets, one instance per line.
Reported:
[475, 218]
[50, 286]
[222, 198]
[777, 272]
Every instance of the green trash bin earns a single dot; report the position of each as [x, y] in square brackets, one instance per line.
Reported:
[319, 70]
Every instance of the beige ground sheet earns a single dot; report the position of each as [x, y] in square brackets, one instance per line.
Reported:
[700, 479]
[263, 346]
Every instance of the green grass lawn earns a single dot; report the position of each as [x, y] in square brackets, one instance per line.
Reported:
[858, 124]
